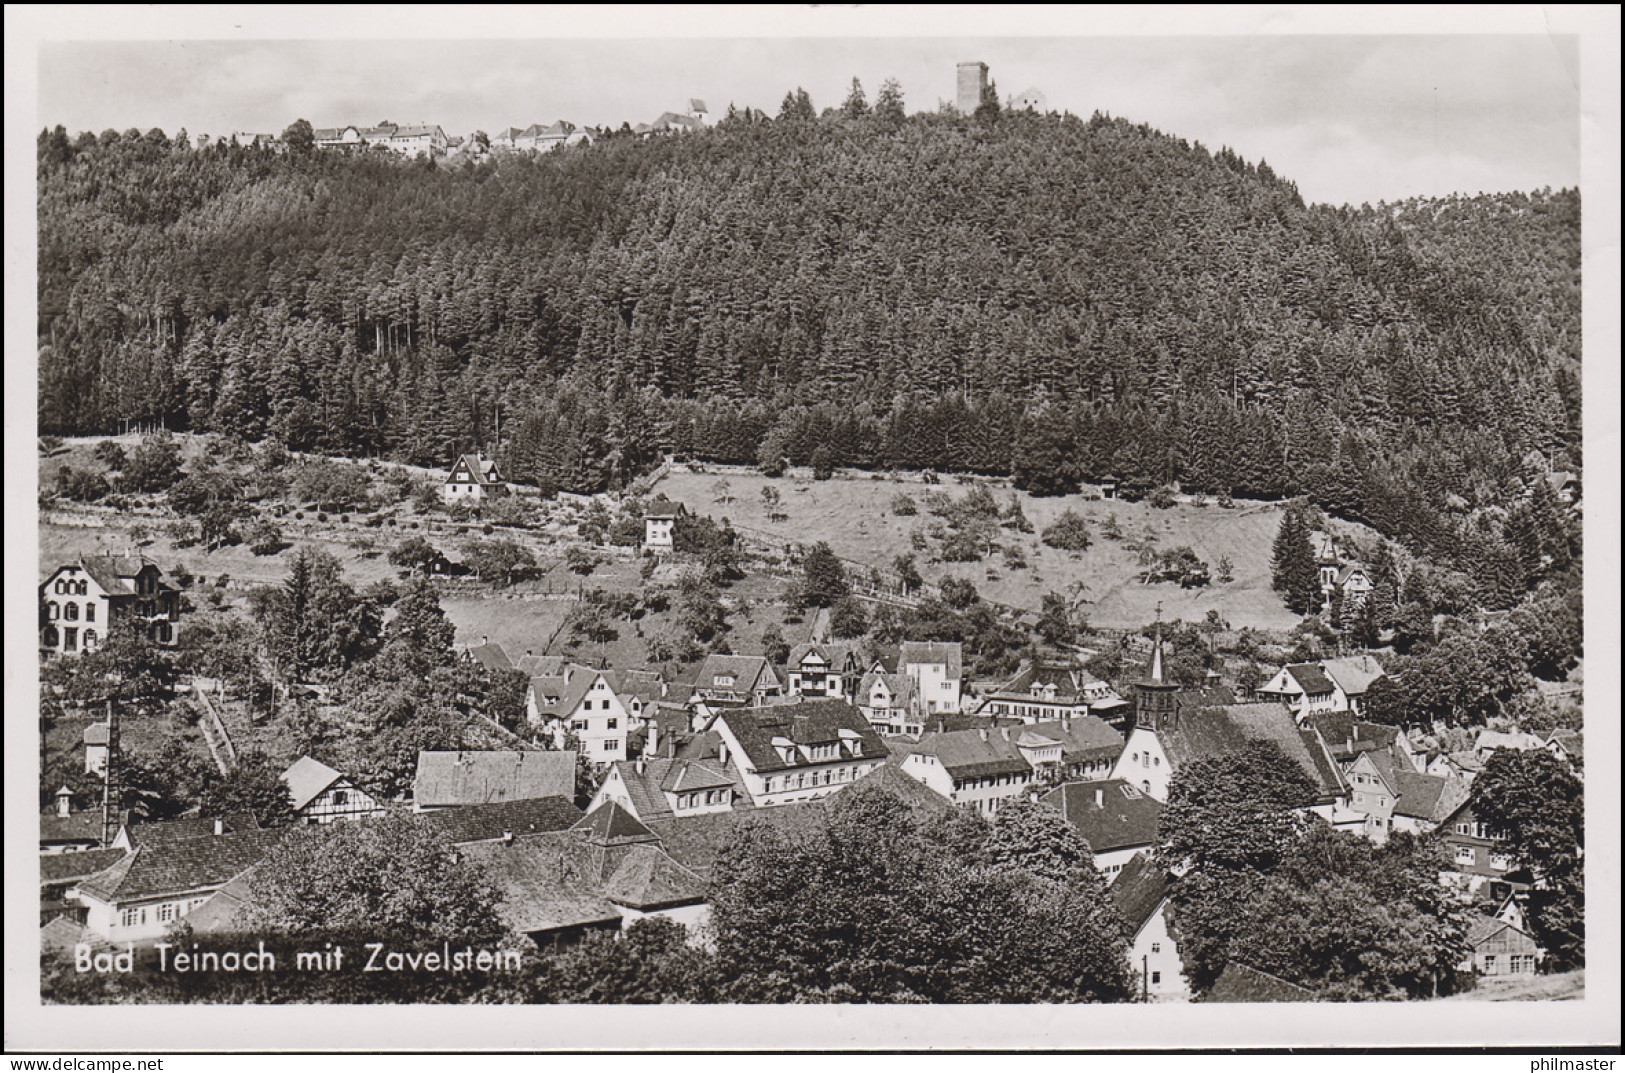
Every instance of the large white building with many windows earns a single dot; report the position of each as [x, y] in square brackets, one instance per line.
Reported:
[81, 601]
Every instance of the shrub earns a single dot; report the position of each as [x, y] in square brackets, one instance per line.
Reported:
[1162, 498]
[1070, 532]
[823, 463]
[903, 505]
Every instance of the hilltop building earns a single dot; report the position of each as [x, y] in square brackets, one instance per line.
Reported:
[972, 84]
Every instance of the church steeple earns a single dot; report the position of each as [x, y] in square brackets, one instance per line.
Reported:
[1156, 700]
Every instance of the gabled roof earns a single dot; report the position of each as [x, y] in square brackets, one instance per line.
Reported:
[224, 909]
[481, 778]
[949, 653]
[1484, 928]
[1571, 742]
[185, 865]
[647, 788]
[1139, 890]
[483, 470]
[662, 508]
[900, 686]
[1350, 571]
[541, 666]
[1110, 814]
[1492, 740]
[546, 882]
[61, 934]
[1034, 679]
[1347, 736]
[1429, 797]
[1354, 673]
[697, 105]
[307, 778]
[1310, 678]
[97, 733]
[1243, 983]
[116, 574]
[810, 722]
[490, 656]
[481, 823]
[748, 673]
[833, 654]
[1215, 731]
[67, 867]
[974, 754]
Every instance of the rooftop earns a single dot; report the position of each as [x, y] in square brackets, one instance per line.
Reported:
[481, 778]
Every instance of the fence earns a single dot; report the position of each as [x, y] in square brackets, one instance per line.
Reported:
[215, 734]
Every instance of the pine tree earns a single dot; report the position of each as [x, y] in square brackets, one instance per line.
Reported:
[1292, 569]
[856, 105]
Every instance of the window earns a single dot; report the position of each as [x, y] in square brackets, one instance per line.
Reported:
[1464, 855]
[90, 611]
[1500, 862]
[1156, 761]
[605, 705]
[1146, 785]
[132, 917]
[84, 588]
[1463, 828]
[1156, 977]
[1134, 758]
[90, 640]
[48, 637]
[70, 639]
[340, 797]
[578, 724]
[612, 745]
[610, 724]
[166, 912]
[165, 634]
[70, 611]
[1156, 948]
[52, 610]
[1489, 963]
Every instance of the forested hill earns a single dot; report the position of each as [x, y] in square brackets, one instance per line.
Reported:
[1027, 294]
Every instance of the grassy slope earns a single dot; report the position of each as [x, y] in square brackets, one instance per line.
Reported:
[855, 518]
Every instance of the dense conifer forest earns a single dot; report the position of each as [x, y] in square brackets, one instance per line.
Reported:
[1047, 297]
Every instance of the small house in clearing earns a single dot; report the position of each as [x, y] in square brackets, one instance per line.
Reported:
[660, 524]
[473, 478]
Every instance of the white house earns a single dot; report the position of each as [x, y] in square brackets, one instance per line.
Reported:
[736, 681]
[660, 524]
[891, 702]
[1306, 689]
[1141, 893]
[97, 736]
[324, 795]
[586, 703]
[1041, 692]
[473, 478]
[827, 669]
[154, 885]
[938, 670]
[80, 601]
[981, 768]
[800, 751]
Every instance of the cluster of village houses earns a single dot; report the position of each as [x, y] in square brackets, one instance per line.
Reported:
[430, 140]
[684, 763]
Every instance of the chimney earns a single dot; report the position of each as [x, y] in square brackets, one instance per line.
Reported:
[219, 826]
[1006, 733]
[1066, 723]
[1100, 797]
[983, 732]
[64, 801]
[642, 765]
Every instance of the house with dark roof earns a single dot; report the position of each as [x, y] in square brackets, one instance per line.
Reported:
[153, 886]
[659, 788]
[982, 768]
[62, 830]
[451, 779]
[736, 682]
[133, 834]
[890, 779]
[603, 874]
[1140, 892]
[1116, 819]
[799, 751]
[473, 478]
[1243, 983]
[938, 670]
[490, 655]
[502, 819]
[827, 669]
[1392, 797]
[1306, 689]
[80, 601]
[696, 842]
[1043, 691]
[322, 794]
[1090, 746]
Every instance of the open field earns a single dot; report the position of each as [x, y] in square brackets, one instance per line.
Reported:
[853, 515]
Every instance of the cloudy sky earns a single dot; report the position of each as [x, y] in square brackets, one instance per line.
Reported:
[1349, 117]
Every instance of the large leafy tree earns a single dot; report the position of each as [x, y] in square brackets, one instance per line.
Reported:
[387, 874]
[868, 904]
[1235, 810]
[823, 581]
[314, 623]
[254, 785]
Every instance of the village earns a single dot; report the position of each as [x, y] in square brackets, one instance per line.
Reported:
[610, 800]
